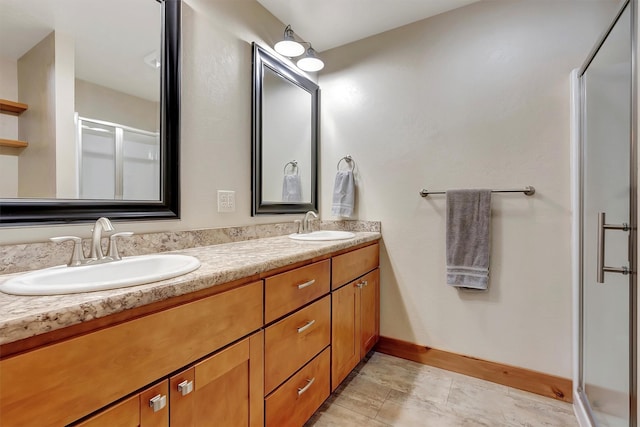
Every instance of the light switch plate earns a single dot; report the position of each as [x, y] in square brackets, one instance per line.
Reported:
[226, 201]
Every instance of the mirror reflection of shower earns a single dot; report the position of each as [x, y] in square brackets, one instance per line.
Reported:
[117, 161]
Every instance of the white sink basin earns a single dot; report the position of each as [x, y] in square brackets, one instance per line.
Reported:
[323, 235]
[129, 271]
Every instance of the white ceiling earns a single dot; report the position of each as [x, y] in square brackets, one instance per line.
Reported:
[332, 23]
[108, 55]
[110, 45]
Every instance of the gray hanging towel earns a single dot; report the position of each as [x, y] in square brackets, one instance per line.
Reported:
[468, 238]
[344, 194]
[292, 188]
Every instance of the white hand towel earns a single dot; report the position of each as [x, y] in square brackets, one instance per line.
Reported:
[468, 238]
[344, 191]
[291, 188]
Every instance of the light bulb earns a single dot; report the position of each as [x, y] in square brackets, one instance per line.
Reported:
[310, 62]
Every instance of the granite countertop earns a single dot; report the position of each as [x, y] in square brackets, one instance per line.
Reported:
[25, 316]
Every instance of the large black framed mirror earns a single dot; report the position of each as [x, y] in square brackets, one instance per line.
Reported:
[284, 137]
[155, 150]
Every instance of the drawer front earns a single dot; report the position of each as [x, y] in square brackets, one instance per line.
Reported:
[296, 339]
[350, 266]
[288, 291]
[293, 403]
[62, 377]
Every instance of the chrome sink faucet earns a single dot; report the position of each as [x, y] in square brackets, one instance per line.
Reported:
[96, 255]
[102, 224]
[303, 226]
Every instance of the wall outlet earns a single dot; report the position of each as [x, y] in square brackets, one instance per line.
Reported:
[226, 201]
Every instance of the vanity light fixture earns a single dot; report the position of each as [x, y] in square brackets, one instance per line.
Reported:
[289, 46]
[292, 48]
[310, 61]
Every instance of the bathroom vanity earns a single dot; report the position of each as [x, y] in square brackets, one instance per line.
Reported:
[259, 335]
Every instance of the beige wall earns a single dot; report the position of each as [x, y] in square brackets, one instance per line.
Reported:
[46, 168]
[116, 107]
[474, 98]
[36, 88]
[8, 129]
[65, 137]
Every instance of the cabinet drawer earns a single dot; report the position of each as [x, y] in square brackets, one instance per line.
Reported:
[76, 377]
[288, 291]
[296, 400]
[350, 266]
[296, 339]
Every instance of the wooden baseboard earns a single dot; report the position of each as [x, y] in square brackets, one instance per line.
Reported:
[520, 378]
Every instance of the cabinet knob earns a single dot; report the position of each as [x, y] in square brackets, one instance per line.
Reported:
[158, 402]
[185, 387]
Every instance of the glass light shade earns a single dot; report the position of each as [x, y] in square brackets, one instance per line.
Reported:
[289, 47]
[310, 62]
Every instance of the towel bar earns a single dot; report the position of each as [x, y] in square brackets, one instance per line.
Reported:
[528, 191]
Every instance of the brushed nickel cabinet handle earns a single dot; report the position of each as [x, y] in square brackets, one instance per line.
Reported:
[301, 390]
[185, 387]
[305, 327]
[306, 284]
[362, 284]
[158, 402]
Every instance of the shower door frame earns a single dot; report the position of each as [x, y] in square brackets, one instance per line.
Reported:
[579, 392]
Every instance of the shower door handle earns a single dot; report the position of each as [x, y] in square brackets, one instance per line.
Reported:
[602, 227]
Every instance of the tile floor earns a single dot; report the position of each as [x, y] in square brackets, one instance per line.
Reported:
[388, 391]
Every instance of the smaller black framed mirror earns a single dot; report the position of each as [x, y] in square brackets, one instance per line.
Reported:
[285, 109]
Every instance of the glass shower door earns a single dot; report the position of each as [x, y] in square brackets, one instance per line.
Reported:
[117, 162]
[606, 289]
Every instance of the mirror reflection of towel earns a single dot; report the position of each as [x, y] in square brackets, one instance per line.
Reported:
[344, 194]
[291, 188]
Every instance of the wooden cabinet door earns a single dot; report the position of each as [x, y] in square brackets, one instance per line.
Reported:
[369, 311]
[155, 415]
[124, 414]
[227, 388]
[136, 411]
[345, 332]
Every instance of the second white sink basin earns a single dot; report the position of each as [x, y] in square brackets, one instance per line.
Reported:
[323, 235]
[129, 271]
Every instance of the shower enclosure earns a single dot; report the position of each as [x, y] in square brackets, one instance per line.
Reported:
[605, 387]
[117, 162]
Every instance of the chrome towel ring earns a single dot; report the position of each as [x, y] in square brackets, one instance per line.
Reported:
[294, 167]
[349, 160]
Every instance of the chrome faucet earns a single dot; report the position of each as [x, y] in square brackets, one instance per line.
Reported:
[96, 255]
[102, 224]
[305, 222]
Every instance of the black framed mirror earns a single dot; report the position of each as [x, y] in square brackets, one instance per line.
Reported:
[164, 203]
[285, 109]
